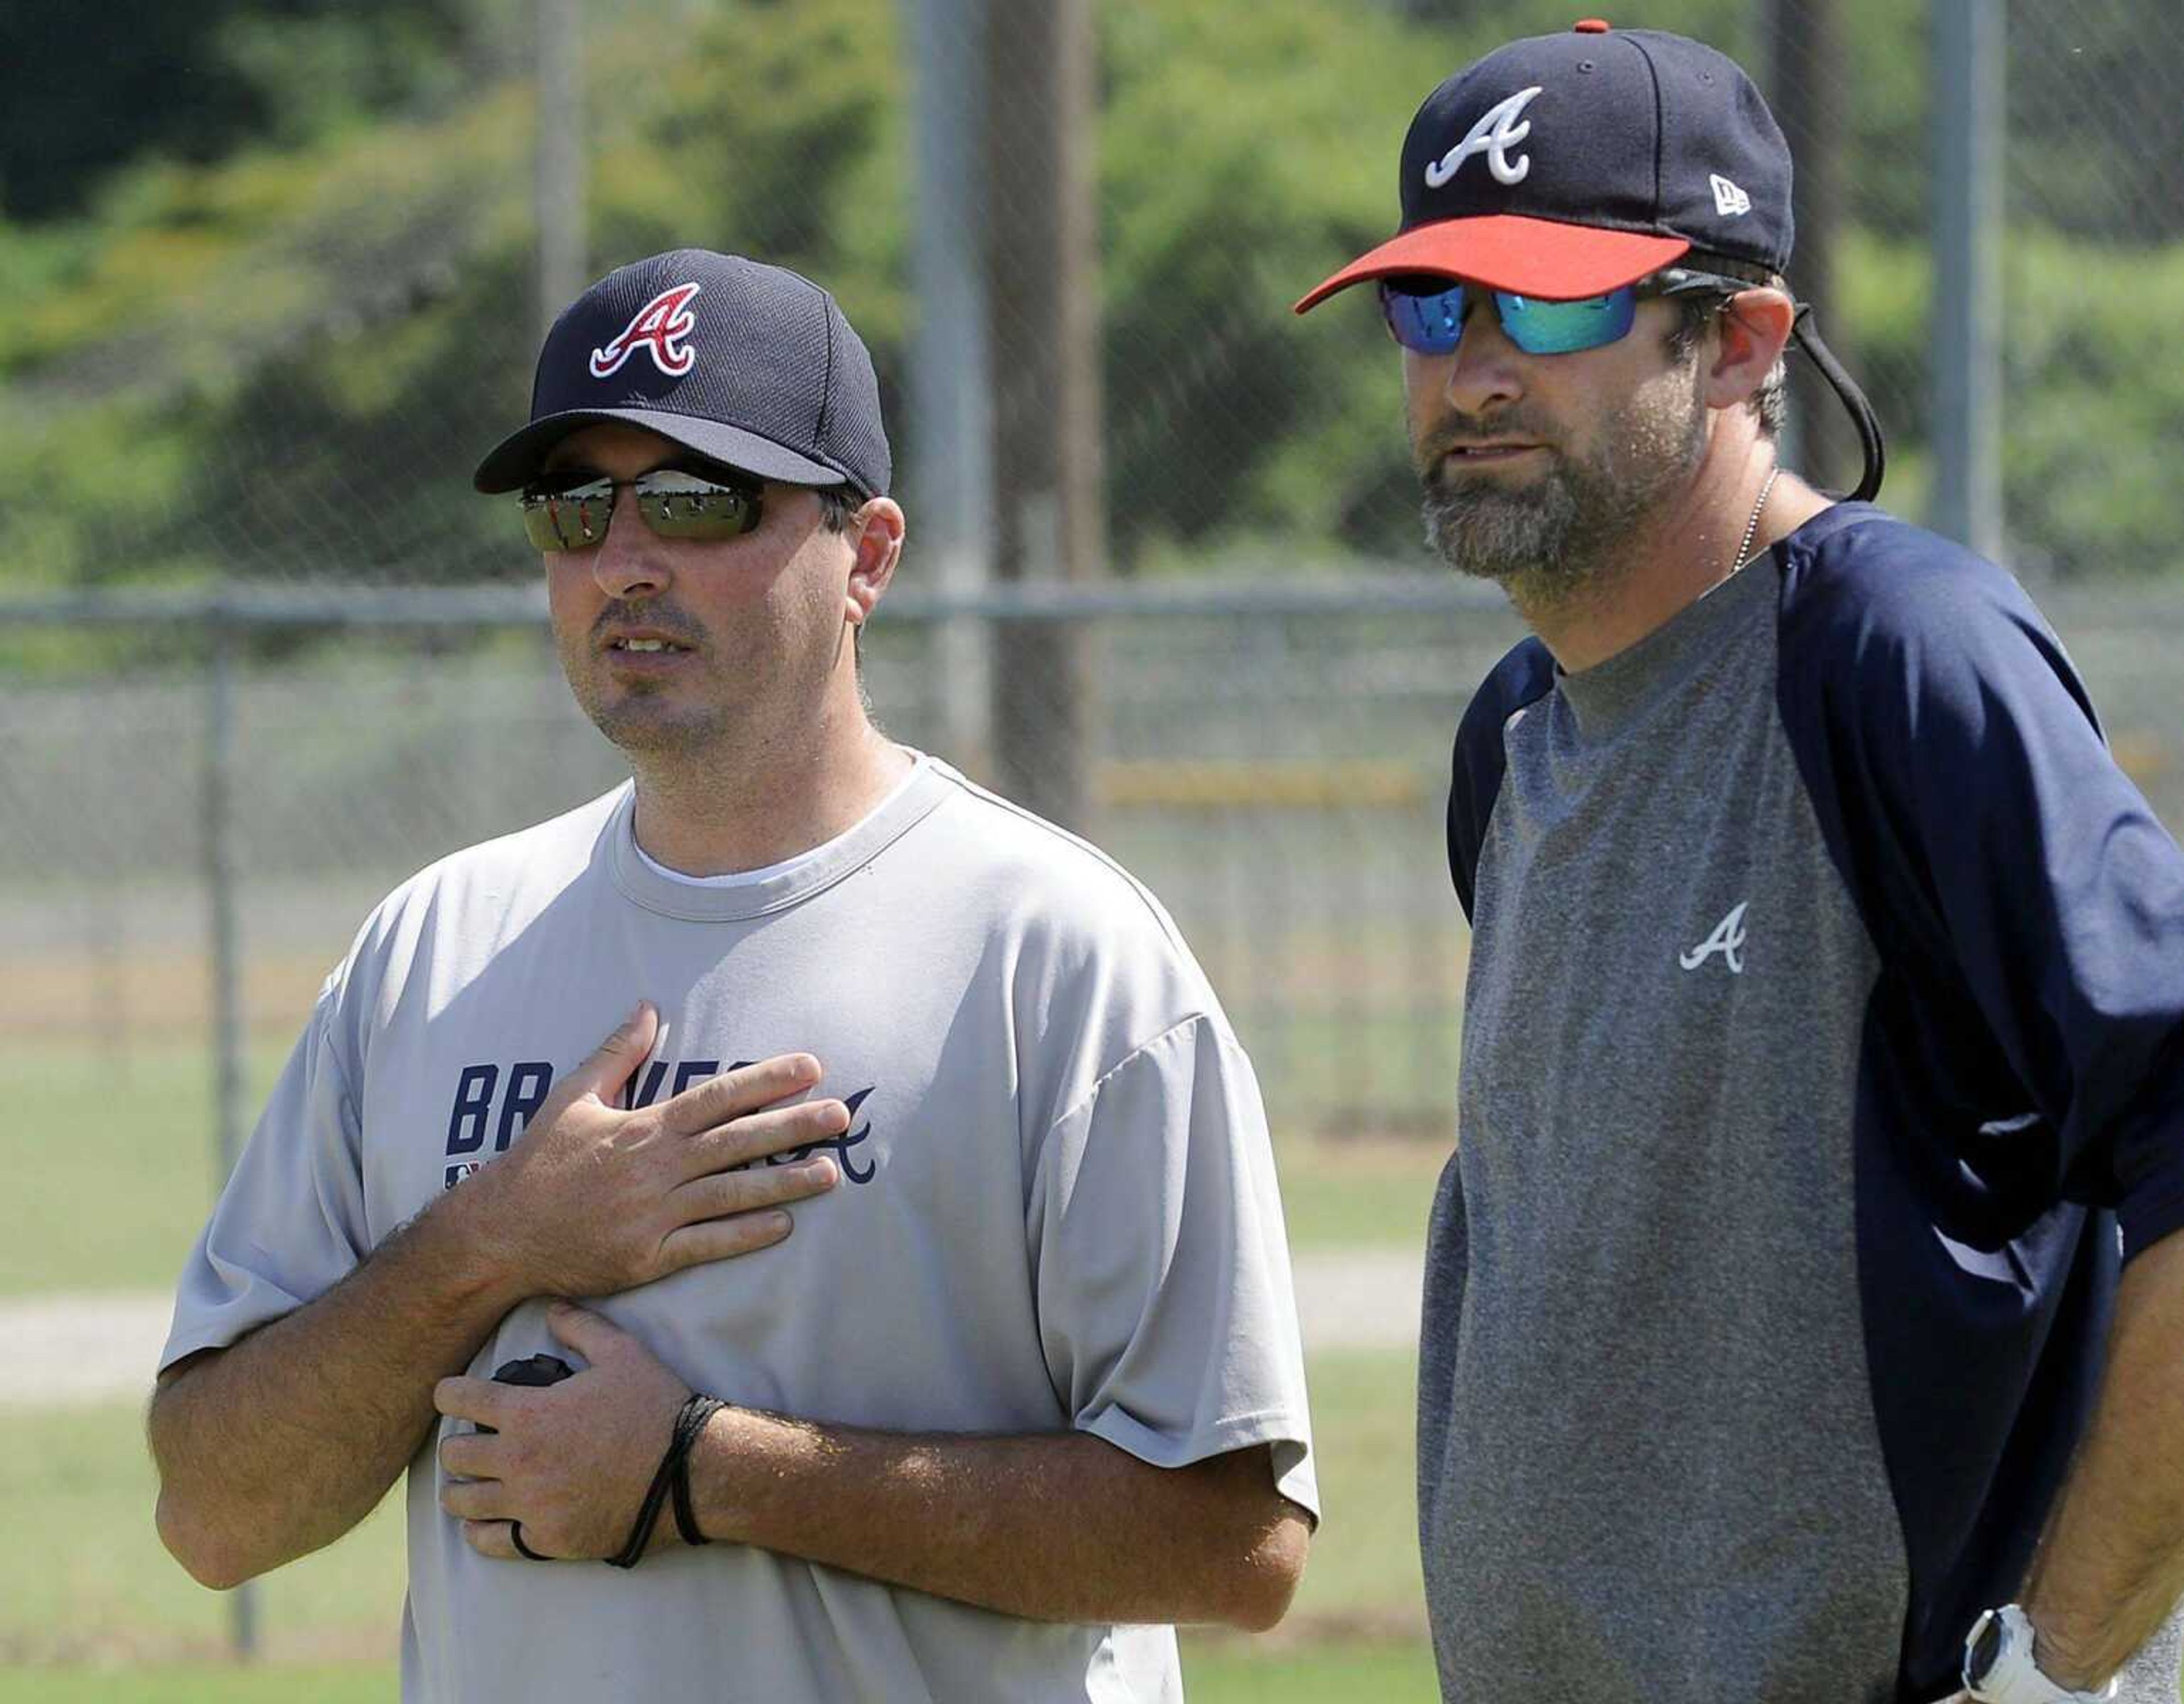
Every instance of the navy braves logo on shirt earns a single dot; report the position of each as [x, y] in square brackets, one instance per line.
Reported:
[490, 1098]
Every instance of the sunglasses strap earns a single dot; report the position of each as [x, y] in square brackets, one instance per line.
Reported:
[1806, 336]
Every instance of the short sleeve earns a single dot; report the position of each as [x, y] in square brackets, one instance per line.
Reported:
[1165, 1309]
[291, 1223]
[2000, 854]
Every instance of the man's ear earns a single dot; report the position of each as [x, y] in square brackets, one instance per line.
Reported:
[875, 534]
[1750, 332]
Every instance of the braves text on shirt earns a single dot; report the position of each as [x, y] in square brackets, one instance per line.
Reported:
[502, 1099]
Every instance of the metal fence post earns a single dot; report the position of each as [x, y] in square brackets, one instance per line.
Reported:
[558, 164]
[226, 956]
[1809, 89]
[951, 366]
[1965, 311]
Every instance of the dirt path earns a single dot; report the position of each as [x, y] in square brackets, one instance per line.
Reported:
[67, 1351]
[59, 1351]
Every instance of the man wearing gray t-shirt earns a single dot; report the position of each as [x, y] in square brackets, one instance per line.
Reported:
[1023, 1387]
[1803, 1297]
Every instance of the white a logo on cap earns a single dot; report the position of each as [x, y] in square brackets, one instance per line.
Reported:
[1495, 133]
[1728, 201]
[659, 329]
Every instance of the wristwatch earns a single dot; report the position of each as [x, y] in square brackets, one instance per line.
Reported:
[1999, 1668]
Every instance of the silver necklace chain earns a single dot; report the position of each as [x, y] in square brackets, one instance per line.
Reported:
[1744, 558]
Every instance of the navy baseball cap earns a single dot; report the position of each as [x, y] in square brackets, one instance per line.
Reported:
[751, 365]
[1565, 166]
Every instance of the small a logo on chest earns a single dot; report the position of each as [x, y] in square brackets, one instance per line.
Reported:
[1727, 939]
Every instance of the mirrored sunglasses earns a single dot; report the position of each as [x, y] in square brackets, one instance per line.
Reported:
[672, 502]
[1427, 315]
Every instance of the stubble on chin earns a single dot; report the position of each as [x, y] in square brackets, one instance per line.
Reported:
[641, 719]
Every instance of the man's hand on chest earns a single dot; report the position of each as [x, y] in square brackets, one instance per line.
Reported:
[591, 1200]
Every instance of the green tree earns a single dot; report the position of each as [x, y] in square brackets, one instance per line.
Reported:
[281, 363]
[94, 89]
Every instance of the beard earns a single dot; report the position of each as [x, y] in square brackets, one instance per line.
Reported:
[1558, 534]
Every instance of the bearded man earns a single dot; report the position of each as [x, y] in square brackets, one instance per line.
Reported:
[1802, 1298]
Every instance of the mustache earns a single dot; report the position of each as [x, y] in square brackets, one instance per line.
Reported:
[1454, 432]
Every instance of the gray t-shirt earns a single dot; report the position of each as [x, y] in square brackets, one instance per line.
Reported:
[1058, 1210]
[1821, 1033]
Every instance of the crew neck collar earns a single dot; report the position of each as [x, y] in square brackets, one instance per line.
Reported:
[746, 878]
[1611, 694]
[646, 885]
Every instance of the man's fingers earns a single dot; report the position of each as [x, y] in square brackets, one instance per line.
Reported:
[476, 1500]
[471, 1455]
[479, 1401]
[720, 1195]
[720, 1239]
[719, 1098]
[591, 1335]
[493, 1538]
[756, 1135]
[609, 1064]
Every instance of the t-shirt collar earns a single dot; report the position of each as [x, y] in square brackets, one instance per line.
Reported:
[645, 884]
[1610, 695]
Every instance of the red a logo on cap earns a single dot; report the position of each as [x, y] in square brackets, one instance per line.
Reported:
[659, 327]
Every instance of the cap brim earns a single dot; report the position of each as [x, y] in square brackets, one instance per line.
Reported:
[518, 458]
[1506, 251]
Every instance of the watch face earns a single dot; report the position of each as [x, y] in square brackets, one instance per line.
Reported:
[1986, 1647]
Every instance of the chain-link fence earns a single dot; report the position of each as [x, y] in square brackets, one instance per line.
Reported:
[1273, 765]
[262, 652]
[1271, 761]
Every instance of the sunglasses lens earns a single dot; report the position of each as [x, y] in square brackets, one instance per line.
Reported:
[1562, 328]
[683, 505]
[1427, 325]
[1431, 323]
[571, 519]
[673, 505]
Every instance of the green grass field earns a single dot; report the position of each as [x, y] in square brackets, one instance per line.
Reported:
[116, 1168]
[1215, 1674]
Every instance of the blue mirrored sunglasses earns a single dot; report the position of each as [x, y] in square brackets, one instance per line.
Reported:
[1427, 315]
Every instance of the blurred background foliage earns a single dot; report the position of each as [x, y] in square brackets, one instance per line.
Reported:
[268, 290]
[266, 264]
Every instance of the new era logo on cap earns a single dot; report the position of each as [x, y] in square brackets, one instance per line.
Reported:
[1728, 201]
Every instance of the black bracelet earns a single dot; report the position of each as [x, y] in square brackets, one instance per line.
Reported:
[640, 1533]
[689, 1427]
[671, 1478]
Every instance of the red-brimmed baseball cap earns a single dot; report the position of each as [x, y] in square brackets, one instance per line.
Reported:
[1564, 166]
